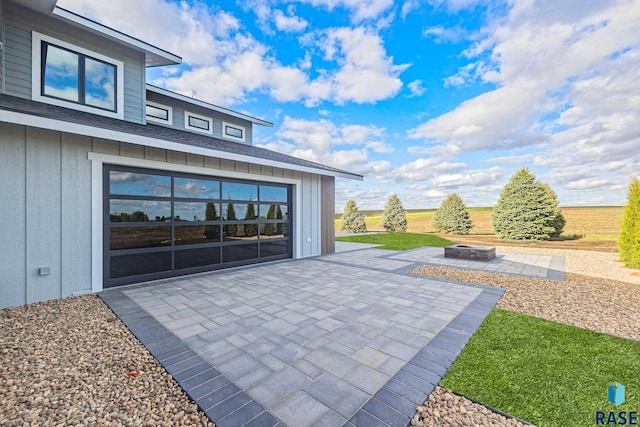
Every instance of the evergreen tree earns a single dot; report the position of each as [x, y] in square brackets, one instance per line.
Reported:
[394, 217]
[629, 240]
[527, 210]
[210, 214]
[250, 230]
[352, 220]
[231, 229]
[452, 216]
[271, 214]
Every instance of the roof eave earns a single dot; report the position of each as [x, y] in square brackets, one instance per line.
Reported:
[154, 56]
[207, 105]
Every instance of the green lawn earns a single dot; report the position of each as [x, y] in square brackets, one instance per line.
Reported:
[398, 241]
[544, 372]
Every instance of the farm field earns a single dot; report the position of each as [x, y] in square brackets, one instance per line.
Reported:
[592, 228]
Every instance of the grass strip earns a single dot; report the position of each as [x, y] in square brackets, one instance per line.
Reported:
[398, 241]
[544, 372]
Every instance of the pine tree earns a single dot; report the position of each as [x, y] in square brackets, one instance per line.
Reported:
[394, 217]
[231, 229]
[210, 214]
[352, 220]
[250, 230]
[527, 210]
[452, 216]
[629, 240]
[271, 214]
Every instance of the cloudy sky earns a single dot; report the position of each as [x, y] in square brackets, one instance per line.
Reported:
[422, 97]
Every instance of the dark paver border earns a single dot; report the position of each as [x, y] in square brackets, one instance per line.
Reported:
[396, 401]
[227, 404]
[221, 400]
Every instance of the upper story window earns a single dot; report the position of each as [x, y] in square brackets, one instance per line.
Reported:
[73, 77]
[159, 113]
[234, 132]
[198, 123]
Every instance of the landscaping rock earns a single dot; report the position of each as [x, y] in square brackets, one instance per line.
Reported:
[65, 362]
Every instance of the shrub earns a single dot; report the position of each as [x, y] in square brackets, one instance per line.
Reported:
[629, 240]
[452, 216]
[527, 210]
[352, 220]
[394, 217]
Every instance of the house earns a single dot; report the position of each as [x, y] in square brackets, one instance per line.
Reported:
[106, 180]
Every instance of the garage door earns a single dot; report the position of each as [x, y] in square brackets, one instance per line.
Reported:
[159, 224]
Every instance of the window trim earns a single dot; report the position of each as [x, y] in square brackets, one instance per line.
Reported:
[36, 76]
[188, 114]
[169, 109]
[231, 137]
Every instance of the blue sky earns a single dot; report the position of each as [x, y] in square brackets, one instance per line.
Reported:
[422, 97]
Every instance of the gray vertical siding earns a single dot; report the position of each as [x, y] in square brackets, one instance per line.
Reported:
[13, 204]
[76, 209]
[44, 235]
[45, 193]
[20, 22]
[327, 214]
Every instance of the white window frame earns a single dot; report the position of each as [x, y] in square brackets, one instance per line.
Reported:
[36, 76]
[169, 120]
[233, 138]
[188, 114]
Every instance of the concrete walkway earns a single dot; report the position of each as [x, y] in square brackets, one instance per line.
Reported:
[345, 339]
[539, 266]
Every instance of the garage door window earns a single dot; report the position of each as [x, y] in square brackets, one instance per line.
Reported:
[160, 224]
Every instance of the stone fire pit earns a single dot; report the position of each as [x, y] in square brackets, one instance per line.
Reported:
[476, 253]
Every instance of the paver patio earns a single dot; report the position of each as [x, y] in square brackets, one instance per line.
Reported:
[345, 339]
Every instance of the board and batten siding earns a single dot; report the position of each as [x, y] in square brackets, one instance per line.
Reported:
[179, 108]
[46, 197]
[19, 22]
[45, 193]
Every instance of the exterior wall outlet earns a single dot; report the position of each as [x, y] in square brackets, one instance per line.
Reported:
[43, 271]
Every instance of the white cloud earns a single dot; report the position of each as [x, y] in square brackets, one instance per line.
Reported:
[227, 64]
[416, 88]
[563, 81]
[349, 147]
[289, 23]
[442, 34]
[361, 9]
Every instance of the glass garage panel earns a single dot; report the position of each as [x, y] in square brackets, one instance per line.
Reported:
[273, 194]
[239, 191]
[196, 234]
[195, 211]
[239, 211]
[268, 249]
[274, 211]
[139, 264]
[139, 237]
[139, 184]
[139, 211]
[235, 253]
[196, 188]
[201, 257]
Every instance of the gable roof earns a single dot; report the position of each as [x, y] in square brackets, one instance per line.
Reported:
[36, 114]
[154, 56]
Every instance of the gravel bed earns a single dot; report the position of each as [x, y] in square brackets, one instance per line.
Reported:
[444, 408]
[68, 362]
[591, 300]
